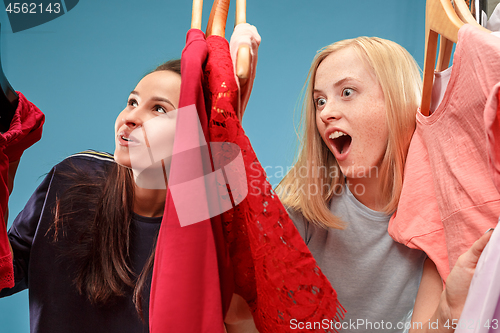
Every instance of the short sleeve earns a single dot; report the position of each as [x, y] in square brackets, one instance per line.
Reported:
[417, 222]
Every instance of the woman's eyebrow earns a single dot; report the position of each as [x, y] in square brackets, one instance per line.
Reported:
[344, 80]
[156, 98]
[339, 83]
[162, 99]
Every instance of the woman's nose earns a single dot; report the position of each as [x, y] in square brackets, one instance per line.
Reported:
[330, 112]
[133, 118]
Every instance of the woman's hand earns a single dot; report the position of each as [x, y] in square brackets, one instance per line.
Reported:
[451, 301]
[458, 282]
[245, 35]
[239, 318]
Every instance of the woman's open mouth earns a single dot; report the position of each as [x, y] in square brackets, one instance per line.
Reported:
[341, 142]
[125, 139]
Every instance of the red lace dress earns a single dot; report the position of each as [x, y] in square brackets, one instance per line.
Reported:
[24, 131]
[274, 270]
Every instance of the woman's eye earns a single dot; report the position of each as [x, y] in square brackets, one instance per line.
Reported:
[133, 102]
[320, 102]
[160, 109]
[347, 92]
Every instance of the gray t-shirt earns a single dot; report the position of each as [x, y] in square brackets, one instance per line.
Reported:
[375, 277]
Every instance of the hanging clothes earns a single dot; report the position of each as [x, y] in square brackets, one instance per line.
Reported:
[494, 20]
[185, 290]
[25, 129]
[448, 199]
[481, 312]
[274, 270]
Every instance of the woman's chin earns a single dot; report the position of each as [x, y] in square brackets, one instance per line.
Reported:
[153, 177]
[121, 160]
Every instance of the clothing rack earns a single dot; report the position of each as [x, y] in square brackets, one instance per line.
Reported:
[217, 26]
[445, 45]
[441, 19]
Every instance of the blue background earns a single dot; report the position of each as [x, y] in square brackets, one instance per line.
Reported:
[79, 69]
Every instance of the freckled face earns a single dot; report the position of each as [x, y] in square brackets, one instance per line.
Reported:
[350, 112]
[157, 94]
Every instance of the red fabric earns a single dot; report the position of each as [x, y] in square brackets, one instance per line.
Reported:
[274, 270]
[24, 131]
[185, 291]
[6, 268]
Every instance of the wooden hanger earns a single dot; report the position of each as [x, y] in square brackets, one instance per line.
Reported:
[440, 18]
[197, 14]
[217, 26]
[244, 57]
[217, 20]
[445, 45]
[8, 101]
[444, 55]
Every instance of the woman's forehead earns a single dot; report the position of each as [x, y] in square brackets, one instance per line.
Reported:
[343, 65]
[160, 81]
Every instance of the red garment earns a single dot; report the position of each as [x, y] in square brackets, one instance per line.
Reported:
[274, 270]
[25, 129]
[185, 291]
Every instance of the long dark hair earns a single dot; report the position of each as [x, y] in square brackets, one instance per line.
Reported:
[101, 251]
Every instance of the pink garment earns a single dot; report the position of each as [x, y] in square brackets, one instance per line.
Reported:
[245, 33]
[448, 199]
[481, 313]
[492, 125]
[441, 80]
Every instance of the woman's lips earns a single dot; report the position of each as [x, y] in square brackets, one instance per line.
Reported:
[340, 143]
[127, 140]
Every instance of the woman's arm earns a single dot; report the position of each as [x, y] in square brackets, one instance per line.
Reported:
[22, 233]
[239, 318]
[438, 310]
[428, 296]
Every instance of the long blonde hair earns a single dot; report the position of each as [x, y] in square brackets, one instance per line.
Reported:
[399, 77]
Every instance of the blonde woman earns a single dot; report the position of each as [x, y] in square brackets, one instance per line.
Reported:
[359, 109]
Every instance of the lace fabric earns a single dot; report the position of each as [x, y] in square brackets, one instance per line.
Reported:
[6, 272]
[274, 270]
[25, 129]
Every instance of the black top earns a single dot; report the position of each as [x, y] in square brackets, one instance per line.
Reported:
[41, 265]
